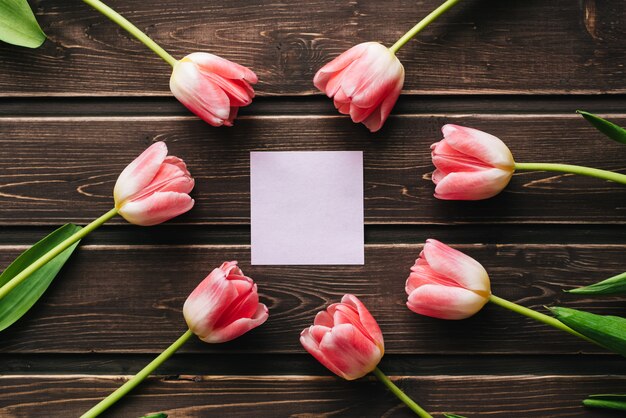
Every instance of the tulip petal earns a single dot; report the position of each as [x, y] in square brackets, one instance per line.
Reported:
[350, 351]
[317, 332]
[342, 103]
[207, 302]
[366, 318]
[156, 208]
[210, 63]
[372, 64]
[382, 80]
[323, 318]
[424, 274]
[476, 185]
[376, 120]
[236, 90]
[445, 302]
[339, 63]
[139, 173]
[199, 94]
[169, 178]
[231, 267]
[173, 160]
[238, 327]
[244, 306]
[333, 86]
[479, 144]
[457, 266]
[449, 160]
[358, 114]
[310, 339]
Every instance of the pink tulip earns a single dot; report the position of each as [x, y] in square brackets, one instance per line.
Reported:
[224, 306]
[445, 283]
[153, 188]
[212, 87]
[471, 164]
[345, 338]
[365, 82]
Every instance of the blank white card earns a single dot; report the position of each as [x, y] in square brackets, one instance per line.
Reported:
[307, 207]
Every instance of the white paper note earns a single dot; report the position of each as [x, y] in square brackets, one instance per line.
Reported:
[307, 207]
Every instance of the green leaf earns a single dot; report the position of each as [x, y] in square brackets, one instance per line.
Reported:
[23, 297]
[615, 285]
[18, 25]
[157, 415]
[452, 415]
[608, 331]
[616, 402]
[613, 131]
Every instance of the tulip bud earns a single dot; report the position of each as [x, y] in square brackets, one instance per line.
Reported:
[445, 283]
[224, 306]
[153, 188]
[471, 164]
[212, 87]
[365, 82]
[345, 338]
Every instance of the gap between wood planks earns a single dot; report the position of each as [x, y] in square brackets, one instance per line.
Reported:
[285, 364]
[312, 105]
[224, 235]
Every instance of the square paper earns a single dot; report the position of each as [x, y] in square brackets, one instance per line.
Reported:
[307, 207]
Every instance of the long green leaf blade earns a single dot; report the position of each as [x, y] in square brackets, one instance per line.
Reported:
[615, 402]
[18, 25]
[24, 296]
[613, 131]
[615, 285]
[609, 331]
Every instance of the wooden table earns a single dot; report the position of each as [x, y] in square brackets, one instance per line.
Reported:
[77, 110]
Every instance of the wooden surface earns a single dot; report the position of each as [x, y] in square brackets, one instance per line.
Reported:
[74, 112]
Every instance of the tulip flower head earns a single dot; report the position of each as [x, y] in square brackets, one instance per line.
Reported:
[345, 338]
[364, 82]
[224, 306]
[212, 87]
[445, 283]
[153, 188]
[471, 164]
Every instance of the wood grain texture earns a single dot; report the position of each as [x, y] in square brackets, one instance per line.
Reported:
[128, 299]
[63, 169]
[76, 111]
[485, 46]
[517, 396]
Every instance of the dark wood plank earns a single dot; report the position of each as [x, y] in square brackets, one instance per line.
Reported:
[479, 47]
[63, 169]
[520, 396]
[128, 299]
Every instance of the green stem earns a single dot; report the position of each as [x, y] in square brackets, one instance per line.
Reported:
[422, 24]
[104, 404]
[62, 246]
[419, 411]
[574, 169]
[132, 29]
[537, 316]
